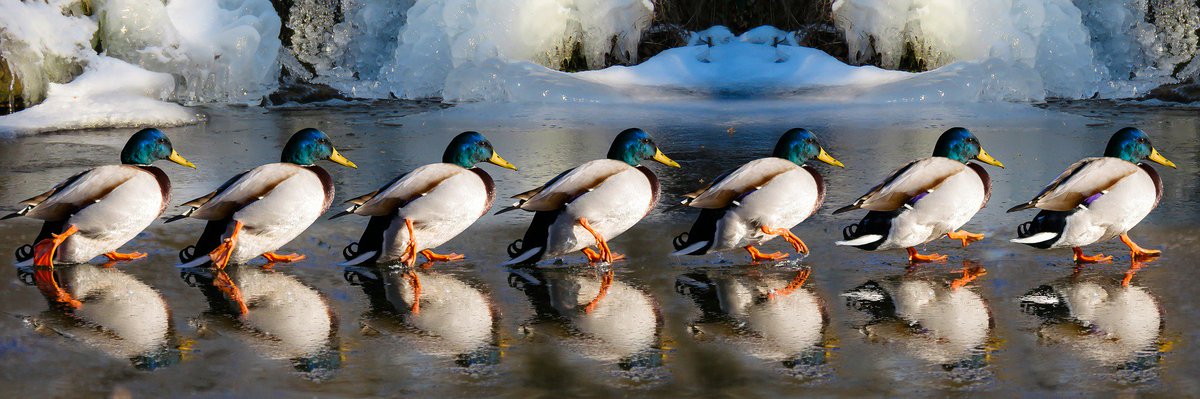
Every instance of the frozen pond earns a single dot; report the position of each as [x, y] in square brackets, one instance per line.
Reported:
[862, 324]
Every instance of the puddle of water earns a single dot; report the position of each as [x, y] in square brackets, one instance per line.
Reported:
[861, 324]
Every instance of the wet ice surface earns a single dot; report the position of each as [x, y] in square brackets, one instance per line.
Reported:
[861, 324]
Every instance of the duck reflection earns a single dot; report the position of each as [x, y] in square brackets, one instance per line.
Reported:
[1113, 323]
[777, 318]
[443, 315]
[106, 309]
[272, 312]
[929, 318]
[612, 321]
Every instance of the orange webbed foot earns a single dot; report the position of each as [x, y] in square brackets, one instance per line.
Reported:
[277, 258]
[1080, 258]
[122, 257]
[969, 274]
[434, 257]
[605, 254]
[787, 235]
[965, 236]
[915, 257]
[795, 284]
[43, 252]
[221, 255]
[1136, 251]
[757, 256]
[605, 281]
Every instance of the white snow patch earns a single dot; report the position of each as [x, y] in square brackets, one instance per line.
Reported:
[110, 93]
[42, 44]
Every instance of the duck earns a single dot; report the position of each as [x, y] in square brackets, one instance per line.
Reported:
[258, 211]
[424, 208]
[925, 200]
[1110, 322]
[1097, 199]
[760, 200]
[274, 314]
[591, 203]
[118, 315]
[97, 211]
[938, 322]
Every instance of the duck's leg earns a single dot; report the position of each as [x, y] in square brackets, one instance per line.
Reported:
[409, 257]
[787, 235]
[756, 256]
[434, 257]
[592, 256]
[121, 257]
[965, 236]
[43, 263]
[415, 282]
[969, 274]
[606, 254]
[801, 277]
[289, 258]
[223, 283]
[1136, 250]
[605, 282]
[220, 256]
[1097, 258]
[914, 257]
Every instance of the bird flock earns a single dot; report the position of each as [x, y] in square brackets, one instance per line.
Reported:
[255, 213]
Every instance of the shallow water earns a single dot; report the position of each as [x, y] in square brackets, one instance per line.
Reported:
[862, 324]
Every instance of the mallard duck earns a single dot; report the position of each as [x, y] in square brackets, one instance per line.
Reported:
[1098, 199]
[759, 201]
[590, 204]
[117, 314]
[422, 209]
[925, 200]
[96, 212]
[260, 210]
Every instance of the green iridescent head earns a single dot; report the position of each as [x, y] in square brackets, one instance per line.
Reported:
[800, 146]
[149, 145]
[308, 146]
[1133, 145]
[962, 146]
[470, 148]
[633, 146]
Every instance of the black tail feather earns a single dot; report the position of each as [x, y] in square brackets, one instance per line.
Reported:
[371, 240]
[536, 236]
[1045, 221]
[704, 228]
[875, 222]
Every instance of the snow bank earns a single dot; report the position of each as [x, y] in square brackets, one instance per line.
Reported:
[109, 93]
[43, 42]
[219, 50]
[441, 36]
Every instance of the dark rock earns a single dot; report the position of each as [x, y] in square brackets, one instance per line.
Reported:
[1186, 92]
[303, 93]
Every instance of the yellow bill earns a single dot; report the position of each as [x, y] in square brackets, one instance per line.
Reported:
[176, 158]
[337, 158]
[498, 161]
[1156, 157]
[829, 159]
[987, 158]
[663, 159]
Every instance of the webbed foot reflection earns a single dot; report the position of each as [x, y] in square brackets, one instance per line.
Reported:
[929, 317]
[274, 313]
[116, 313]
[599, 315]
[773, 316]
[439, 313]
[1109, 321]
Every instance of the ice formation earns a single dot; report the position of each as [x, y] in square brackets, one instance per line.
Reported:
[43, 42]
[442, 36]
[109, 93]
[1078, 49]
[218, 50]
